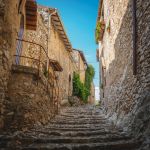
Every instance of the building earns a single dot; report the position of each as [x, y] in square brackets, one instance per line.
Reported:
[122, 34]
[91, 98]
[54, 38]
[36, 64]
[15, 16]
[80, 63]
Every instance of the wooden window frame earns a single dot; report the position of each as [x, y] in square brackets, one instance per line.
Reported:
[21, 4]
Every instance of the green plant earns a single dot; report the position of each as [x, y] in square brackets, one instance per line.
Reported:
[89, 75]
[99, 31]
[81, 90]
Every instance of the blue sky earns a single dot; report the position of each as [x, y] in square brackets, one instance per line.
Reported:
[79, 19]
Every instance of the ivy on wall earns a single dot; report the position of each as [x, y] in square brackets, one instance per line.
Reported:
[89, 75]
[81, 90]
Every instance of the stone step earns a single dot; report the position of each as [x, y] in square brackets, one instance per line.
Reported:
[77, 133]
[81, 115]
[79, 122]
[83, 126]
[121, 145]
[66, 140]
[79, 119]
[76, 128]
[62, 128]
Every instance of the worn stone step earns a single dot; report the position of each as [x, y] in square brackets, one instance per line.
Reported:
[121, 145]
[83, 113]
[78, 122]
[81, 116]
[77, 133]
[82, 125]
[66, 140]
[74, 140]
[76, 128]
[62, 128]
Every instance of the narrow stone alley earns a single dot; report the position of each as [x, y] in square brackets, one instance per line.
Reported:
[76, 128]
[54, 94]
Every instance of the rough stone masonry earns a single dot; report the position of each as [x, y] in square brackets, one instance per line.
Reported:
[9, 23]
[127, 96]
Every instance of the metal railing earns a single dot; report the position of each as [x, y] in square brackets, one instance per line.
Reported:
[39, 61]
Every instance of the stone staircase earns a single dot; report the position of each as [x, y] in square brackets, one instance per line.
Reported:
[76, 128]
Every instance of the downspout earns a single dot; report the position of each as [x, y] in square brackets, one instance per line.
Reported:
[49, 33]
[134, 37]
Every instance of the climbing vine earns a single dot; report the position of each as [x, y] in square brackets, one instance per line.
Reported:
[81, 90]
[89, 75]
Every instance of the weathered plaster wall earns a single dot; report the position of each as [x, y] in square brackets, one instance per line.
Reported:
[9, 25]
[127, 96]
[59, 52]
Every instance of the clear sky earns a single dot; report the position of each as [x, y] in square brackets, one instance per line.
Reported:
[79, 19]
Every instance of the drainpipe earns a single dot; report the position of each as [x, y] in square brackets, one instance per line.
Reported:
[134, 37]
[49, 32]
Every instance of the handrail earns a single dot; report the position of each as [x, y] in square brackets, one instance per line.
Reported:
[28, 57]
[39, 46]
[40, 62]
[26, 41]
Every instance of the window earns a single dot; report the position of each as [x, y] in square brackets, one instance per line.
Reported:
[21, 3]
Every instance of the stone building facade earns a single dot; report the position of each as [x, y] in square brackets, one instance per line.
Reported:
[80, 63]
[124, 55]
[60, 49]
[36, 64]
[91, 98]
[10, 20]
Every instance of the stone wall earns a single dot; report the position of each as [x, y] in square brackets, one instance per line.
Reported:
[40, 37]
[30, 101]
[9, 25]
[127, 96]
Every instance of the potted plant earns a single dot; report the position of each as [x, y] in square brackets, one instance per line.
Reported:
[100, 27]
